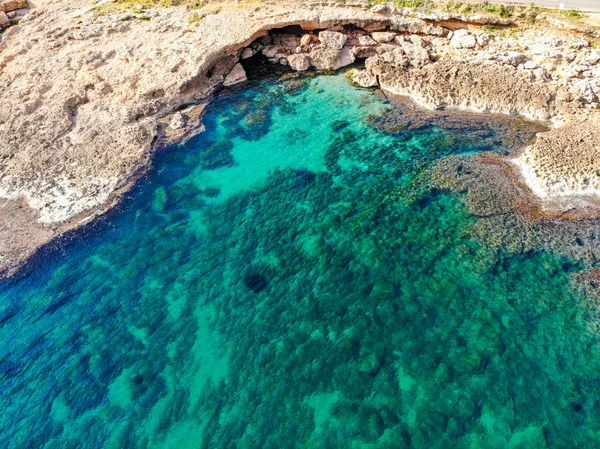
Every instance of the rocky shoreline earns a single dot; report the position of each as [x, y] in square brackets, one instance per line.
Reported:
[87, 92]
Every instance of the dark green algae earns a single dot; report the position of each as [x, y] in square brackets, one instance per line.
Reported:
[340, 298]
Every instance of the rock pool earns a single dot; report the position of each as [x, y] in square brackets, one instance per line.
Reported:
[289, 279]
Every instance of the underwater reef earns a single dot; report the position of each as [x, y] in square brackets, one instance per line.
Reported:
[322, 267]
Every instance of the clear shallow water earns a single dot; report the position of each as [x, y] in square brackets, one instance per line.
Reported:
[287, 279]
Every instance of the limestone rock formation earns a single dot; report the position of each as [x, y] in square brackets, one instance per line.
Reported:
[363, 78]
[382, 36]
[237, 75]
[69, 74]
[323, 58]
[333, 39]
[564, 161]
[299, 62]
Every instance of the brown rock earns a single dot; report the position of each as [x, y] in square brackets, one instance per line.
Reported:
[4, 20]
[12, 5]
[306, 40]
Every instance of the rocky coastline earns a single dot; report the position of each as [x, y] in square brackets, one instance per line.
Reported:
[88, 93]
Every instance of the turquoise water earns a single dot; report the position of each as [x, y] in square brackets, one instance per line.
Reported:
[288, 279]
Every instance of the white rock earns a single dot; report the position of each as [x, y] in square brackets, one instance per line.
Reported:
[237, 75]
[333, 39]
[462, 40]
[460, 33]
[299, 62]
[483, 39]
[593, 57]
[541, 74]
[585, 89]
[178, 121]
[383, 36]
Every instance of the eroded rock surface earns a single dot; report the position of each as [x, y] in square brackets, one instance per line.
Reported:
[86, 90]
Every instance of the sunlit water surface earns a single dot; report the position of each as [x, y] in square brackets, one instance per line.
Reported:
[286, 279]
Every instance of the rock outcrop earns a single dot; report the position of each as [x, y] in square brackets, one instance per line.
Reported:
[87, 90]
[12, 11]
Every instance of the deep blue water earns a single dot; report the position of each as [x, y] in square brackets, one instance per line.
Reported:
[288, 278]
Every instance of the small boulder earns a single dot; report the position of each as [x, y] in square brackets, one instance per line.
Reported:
[324, 58]
[306, 40]
[364, 52]
[4, 20]
[333, 39]
[366, 41]
[483, 39]
[417, 40]
[237, 75]
[299, 62]
[271, 50]
[514, 58]
[585, 90]
[363, 78]
[383, 36]
[178, 121]
[418, 55]
[462, 40]
[247, 53]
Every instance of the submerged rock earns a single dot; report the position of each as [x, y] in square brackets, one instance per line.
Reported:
[255, 281]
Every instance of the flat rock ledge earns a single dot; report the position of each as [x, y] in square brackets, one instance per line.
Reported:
[87, 91]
